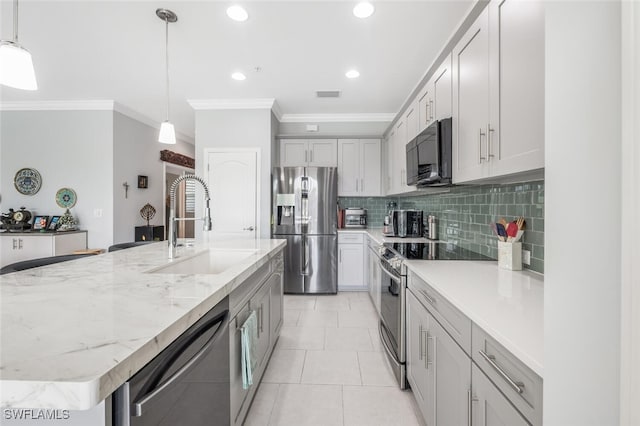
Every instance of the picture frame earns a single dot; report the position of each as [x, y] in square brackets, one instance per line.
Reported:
[40, 222]
[53, 224]
[143, 181]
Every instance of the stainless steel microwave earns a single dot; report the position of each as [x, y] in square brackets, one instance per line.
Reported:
[429, 156]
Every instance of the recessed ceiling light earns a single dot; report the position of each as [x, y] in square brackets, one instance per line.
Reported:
[364, 9]
[352, 74]
[237, 13]
[238, 76]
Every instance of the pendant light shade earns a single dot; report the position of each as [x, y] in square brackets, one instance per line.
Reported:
[167, 131]
[16, 66]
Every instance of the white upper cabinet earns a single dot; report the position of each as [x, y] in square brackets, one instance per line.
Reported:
[442, 91]
[471, 101]
[516, 55]
[359, 167]
[309, 152]
[498, 92]
[411, 119]
[425, 99]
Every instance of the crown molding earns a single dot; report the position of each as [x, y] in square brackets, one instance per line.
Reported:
[277, 111]
[337, 118]
[97, 105]
[206, 104]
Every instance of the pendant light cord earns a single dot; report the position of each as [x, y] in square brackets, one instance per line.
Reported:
[166, 46]
[15, 21]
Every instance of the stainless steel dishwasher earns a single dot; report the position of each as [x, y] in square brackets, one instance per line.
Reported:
[187, 384]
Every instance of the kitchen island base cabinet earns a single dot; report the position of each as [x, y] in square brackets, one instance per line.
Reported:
[17, 247]
[262, 294]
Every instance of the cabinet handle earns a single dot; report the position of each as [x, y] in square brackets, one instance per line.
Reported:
[311, 156]
[420, 342]
[516, 386]
[340, 260]
[261, 318]
[429, 298]
[356, 184]
[480, 134]
[426, 349]
[469, 407]
[431, 108]
[19, 243]
[489, 140]
[15, 243]
[362, 185]
[305, 156]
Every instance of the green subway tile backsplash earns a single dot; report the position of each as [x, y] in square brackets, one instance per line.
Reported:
[464, 214]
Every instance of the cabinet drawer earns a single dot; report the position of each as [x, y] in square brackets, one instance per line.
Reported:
[508, 373]
[351, 237]
[451, 319]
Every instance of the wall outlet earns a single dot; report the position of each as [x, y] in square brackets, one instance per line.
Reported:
[526, 257]
[97, 212]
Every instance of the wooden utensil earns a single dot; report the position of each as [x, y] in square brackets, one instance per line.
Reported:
[503, 222]
[520, 222]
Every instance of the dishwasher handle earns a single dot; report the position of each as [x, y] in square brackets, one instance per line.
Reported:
[152, 388]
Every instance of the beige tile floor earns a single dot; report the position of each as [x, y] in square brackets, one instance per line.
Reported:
[328, 368]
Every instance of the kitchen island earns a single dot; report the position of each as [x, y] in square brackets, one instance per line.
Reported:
[73, 332]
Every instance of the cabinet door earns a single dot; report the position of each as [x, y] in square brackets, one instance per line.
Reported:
[276, 306]
[370, 167]
[516, 137]
[418, 373]
[323, 153]
[400, 156]
[442, 90]
[350, 267]
[30, 247]
[471, 101]
[452, 378]
[348, 167]
[390, 161]
[260, 304]
[411, 120]
[424, 105]
[490, 407]
[293, 153]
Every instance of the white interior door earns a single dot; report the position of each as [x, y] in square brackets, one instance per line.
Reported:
[232, 182]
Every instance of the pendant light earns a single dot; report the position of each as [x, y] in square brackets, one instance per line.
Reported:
[16, 66]
[167, 131]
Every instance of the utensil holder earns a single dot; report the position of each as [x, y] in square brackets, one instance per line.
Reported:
[510, 256]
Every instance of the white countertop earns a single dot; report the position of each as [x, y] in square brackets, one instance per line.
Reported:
[73, 332]
[508, 305]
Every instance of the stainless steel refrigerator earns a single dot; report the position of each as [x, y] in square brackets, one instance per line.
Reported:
[305, 203]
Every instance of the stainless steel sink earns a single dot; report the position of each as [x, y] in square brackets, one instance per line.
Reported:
[208, 262]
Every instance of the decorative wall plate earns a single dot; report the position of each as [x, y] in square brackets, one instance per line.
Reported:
[66, 198]
[27, 181]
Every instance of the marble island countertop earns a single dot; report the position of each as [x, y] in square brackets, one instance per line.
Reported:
[73, 332]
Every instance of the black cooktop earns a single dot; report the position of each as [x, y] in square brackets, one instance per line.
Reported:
[434, 251]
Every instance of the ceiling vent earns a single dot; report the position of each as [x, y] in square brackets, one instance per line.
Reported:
[328, 94]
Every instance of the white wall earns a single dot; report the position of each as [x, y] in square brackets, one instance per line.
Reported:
[70, 149]
[136, 151]
[582, 217]
[249, 128]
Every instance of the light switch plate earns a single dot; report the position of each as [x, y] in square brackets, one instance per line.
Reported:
[526, 257]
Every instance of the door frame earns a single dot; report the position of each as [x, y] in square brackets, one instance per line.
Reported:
[257, 151]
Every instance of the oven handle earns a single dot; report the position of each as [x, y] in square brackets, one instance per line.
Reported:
[393, 277]
[388, 350]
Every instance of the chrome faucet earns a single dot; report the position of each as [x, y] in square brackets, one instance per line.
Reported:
[173, 229]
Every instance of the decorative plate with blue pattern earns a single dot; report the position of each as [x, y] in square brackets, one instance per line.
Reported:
[66, 198]
[27, 181]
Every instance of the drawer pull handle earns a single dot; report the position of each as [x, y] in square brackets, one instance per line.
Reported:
[516, 386]
[429, 298]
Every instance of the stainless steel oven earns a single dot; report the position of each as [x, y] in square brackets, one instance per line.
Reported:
[392, 311]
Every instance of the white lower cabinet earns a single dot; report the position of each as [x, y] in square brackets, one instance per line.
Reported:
[438, 370]
[490, 407]
[375, 280]
[351, 262]
[19, 246]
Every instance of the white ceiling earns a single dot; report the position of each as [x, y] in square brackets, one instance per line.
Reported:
[90, 50]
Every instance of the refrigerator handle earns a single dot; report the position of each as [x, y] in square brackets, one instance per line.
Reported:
[305, 257]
